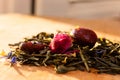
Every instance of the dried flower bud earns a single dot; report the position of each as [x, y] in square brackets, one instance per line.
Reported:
[60, 43]
[31, 47]
[84, 37]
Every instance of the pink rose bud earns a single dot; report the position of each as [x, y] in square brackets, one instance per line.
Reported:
[60, 43]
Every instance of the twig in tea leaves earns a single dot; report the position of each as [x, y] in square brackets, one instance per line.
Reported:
[83, 59]
[114, 49]
[47, 57]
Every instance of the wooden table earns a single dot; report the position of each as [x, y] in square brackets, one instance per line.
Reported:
[14, 27]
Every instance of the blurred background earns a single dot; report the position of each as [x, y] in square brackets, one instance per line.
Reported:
[80, 9]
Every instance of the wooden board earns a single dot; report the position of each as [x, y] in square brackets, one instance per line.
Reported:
[14, 27]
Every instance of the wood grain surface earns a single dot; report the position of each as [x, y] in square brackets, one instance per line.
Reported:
[14, 27]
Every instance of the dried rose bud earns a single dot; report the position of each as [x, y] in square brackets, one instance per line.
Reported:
[38, 46]
[31, 47]
[84, 37]
[60, 43]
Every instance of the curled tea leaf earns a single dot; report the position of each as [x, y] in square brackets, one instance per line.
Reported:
[60, 69]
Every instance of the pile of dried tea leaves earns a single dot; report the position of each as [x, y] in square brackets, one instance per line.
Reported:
[104, 57]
